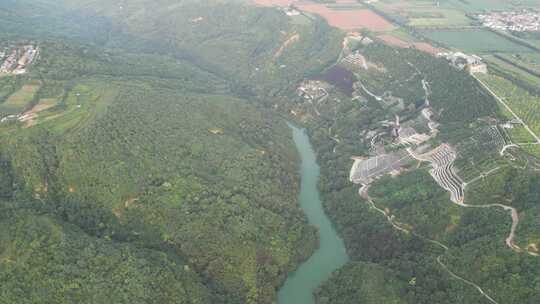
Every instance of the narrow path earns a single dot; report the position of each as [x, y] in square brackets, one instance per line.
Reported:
[455, 276]
[507, 147]
[364, 194]
[378, 98]
[482, 175]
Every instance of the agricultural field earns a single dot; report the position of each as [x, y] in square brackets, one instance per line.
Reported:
[524, 61]
[519, 100]
[514, 69]
[274, 2]
[395, 41]
[531, 59]
[344, 14]
[423, 14]
[21, 99]
[430, 18]
[519, 134]
[475, 41]
[349, 18]
[474, 6]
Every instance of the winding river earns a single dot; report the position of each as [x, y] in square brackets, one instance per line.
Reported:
[331, 254]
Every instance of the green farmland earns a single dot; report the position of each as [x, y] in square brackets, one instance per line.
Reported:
[519, 100]
[474, 6]
[475, 41]
[516, 71]
[435, 17]
[20, 100]
[422, 14]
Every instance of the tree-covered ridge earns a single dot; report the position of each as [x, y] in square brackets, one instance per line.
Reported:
[152, 149]
[458, 99]
[362, 283]
[202, 175]
[259, 50]
[46, 260]
[475, 236]
[156, 142]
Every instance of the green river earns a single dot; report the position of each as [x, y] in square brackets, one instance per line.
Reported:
[331, 255]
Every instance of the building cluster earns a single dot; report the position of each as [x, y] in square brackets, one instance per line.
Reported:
[312, 90]
[514, 21]
[291, 11]
[472, 63]
[15, 60]
[356, 59]
[10, 118]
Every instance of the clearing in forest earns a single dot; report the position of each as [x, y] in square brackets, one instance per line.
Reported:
[30, 117]
[285, 44]
[19, 100]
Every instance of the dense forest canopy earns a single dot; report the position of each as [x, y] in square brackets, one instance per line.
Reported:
[160, 168]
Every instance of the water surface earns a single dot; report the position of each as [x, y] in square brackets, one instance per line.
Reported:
[331, 255]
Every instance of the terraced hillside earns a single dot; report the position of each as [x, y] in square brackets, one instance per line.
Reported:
[416, 217]
[442, 159]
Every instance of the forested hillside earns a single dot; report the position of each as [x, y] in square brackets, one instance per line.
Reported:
[201, 176]
[150, 145]
[157, 167]
[408, 263]
[46, 260]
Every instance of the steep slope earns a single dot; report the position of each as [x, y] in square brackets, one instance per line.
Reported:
[154, 150]
[45, 260]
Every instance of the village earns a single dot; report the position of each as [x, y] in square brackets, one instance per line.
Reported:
[521, 21]
[15, 60]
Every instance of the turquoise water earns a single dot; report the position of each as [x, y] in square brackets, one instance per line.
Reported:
[299, 287]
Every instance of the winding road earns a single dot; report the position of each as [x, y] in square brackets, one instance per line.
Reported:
[510, 240]
[364, 194]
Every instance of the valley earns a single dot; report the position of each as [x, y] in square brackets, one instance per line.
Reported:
[270, 152]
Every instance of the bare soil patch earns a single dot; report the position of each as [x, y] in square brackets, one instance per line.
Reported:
[347, 19]
[274, 2]
[285, 44]
[422, 46]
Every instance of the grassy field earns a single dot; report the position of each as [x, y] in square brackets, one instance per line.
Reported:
[530, 61]
[403, 35]
[423, 14]
[83, 104]
[516, 71]
[532, 149]
[522, 103]
[475, 41]
[21, 99]
[436, 17]
[473, 6]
